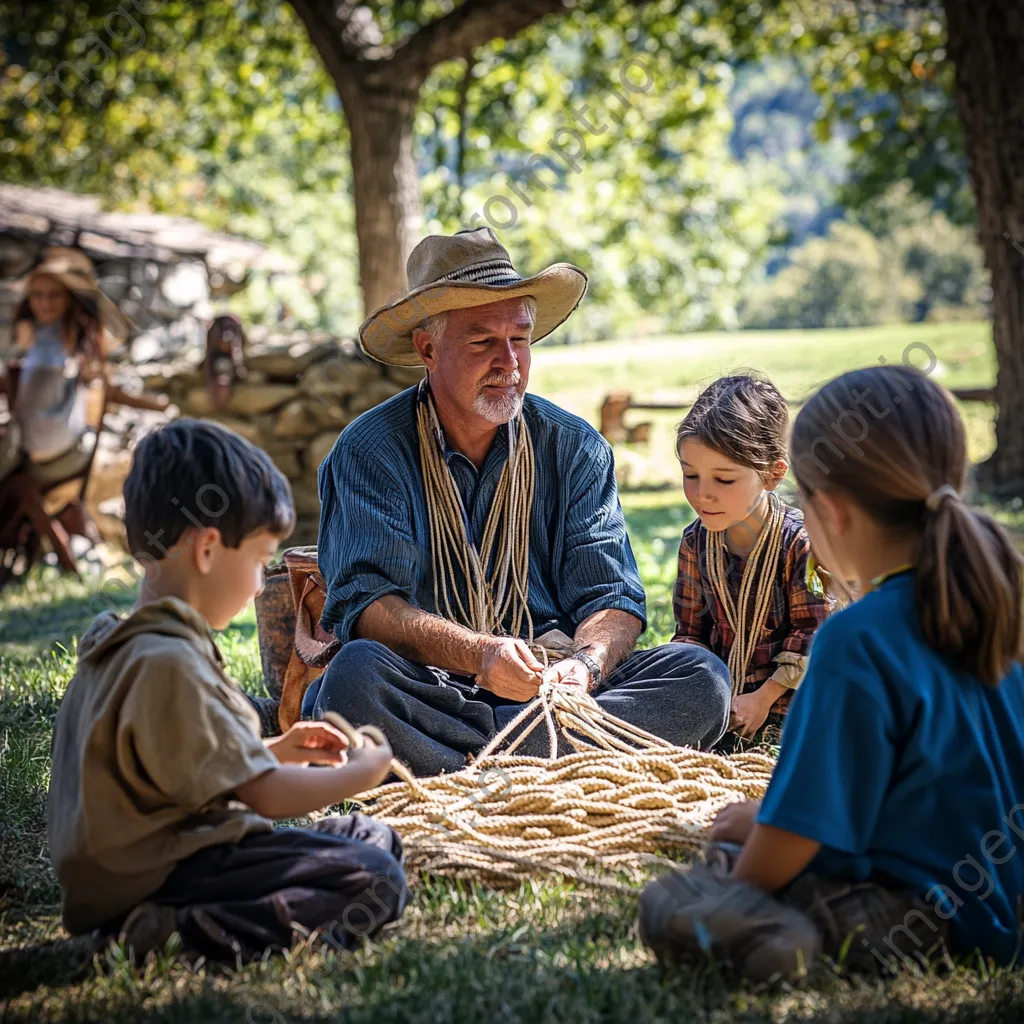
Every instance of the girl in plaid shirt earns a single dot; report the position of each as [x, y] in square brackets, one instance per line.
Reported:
[745, 564]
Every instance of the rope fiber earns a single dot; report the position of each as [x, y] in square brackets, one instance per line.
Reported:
[616, 806]
[761, 565]
[495, 577]
[625, 798]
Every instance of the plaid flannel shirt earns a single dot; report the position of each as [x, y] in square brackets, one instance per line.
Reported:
[799, 602]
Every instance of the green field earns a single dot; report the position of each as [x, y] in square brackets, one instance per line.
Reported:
[674, 369]
[544, 952]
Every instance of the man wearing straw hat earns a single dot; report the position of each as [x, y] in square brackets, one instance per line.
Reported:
[471, 537]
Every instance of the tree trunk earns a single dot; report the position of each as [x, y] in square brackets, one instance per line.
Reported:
[389, 216]
[986, 44]
[379, 86]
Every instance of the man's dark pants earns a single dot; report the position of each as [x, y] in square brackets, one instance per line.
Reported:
[434, 720]
[341, 875]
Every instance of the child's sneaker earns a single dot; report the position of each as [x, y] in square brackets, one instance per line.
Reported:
[722, 857]
[697, 914]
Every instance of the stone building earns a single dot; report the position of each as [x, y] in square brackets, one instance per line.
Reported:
[167, 274]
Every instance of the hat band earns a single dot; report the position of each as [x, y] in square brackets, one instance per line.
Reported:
[491, 272]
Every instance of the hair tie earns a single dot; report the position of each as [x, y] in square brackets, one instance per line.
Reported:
[934, 500]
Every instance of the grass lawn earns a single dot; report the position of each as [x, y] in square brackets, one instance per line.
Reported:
[674, 369]
[543, 952]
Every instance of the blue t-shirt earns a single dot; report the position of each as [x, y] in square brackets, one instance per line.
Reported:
[902, 766]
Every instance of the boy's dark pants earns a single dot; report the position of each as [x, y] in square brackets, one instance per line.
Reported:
[342, 875]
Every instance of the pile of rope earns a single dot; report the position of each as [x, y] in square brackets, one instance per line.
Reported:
[617, 806]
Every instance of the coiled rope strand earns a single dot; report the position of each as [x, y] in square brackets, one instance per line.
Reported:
[622, 801]
[495, 590]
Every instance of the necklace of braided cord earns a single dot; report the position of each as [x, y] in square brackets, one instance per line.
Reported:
[760, 569]
[620, 803]
[490, 599]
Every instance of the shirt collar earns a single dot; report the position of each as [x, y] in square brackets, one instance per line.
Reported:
[499, 448]
[898, 571]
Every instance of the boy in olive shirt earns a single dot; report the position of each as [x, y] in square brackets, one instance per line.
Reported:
[161, 787]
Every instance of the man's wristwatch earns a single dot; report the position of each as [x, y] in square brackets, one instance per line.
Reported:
[593, 668]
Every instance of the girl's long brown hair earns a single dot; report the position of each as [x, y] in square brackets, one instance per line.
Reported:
[888, 438]
[80, 324]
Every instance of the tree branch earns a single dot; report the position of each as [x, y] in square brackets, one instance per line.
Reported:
[472, 24]
[339, 37]
[461, 112]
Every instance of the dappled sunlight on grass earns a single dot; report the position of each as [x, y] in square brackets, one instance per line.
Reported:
[543, 952]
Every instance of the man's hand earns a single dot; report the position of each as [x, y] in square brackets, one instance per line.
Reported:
[310, 741]
[734, 823]
[508, 669]
[568, 672]
[749, 710]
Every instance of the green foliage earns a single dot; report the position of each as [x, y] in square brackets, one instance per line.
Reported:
[776, 112]
[842, 280]
[650, 200]
[224, 112]
[152, 107]
[664, 219]
[220, 111]
[915, 265]
[884, 77]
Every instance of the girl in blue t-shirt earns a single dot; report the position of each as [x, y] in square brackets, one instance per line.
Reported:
[894, 822]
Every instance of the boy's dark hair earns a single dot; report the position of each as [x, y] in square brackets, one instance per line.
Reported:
[743, 417]
[198, 473]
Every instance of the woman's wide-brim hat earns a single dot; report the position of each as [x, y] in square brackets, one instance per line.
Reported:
[75, 271]
[470, 268]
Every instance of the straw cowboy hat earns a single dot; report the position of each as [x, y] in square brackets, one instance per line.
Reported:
[75, 271]
[470, 268]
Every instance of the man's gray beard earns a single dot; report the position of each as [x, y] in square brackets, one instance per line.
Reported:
[498, 410]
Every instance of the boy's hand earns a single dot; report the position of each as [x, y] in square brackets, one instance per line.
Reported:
[749, 710]
[734, 823]
[310, 741]
[375, 756]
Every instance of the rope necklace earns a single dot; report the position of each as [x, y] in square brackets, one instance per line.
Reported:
[490, 599]
[762, 563]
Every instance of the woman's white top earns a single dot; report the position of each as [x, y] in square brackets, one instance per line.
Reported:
[51, 403]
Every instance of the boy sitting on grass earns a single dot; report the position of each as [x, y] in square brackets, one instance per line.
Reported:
[161, 788]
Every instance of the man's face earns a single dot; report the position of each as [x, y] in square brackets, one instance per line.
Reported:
[482, 364]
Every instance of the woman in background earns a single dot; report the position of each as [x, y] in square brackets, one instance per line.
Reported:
[65, 327]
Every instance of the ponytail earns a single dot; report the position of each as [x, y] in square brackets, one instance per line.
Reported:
[893, 441]
[968, 583]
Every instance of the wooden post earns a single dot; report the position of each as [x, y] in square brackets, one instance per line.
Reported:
[613, 409]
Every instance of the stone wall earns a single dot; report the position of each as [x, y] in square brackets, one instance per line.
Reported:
[301, 391]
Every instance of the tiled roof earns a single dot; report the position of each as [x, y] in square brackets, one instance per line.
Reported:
[56, 217]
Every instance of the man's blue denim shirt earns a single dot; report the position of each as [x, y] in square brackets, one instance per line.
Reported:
[374, 537]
